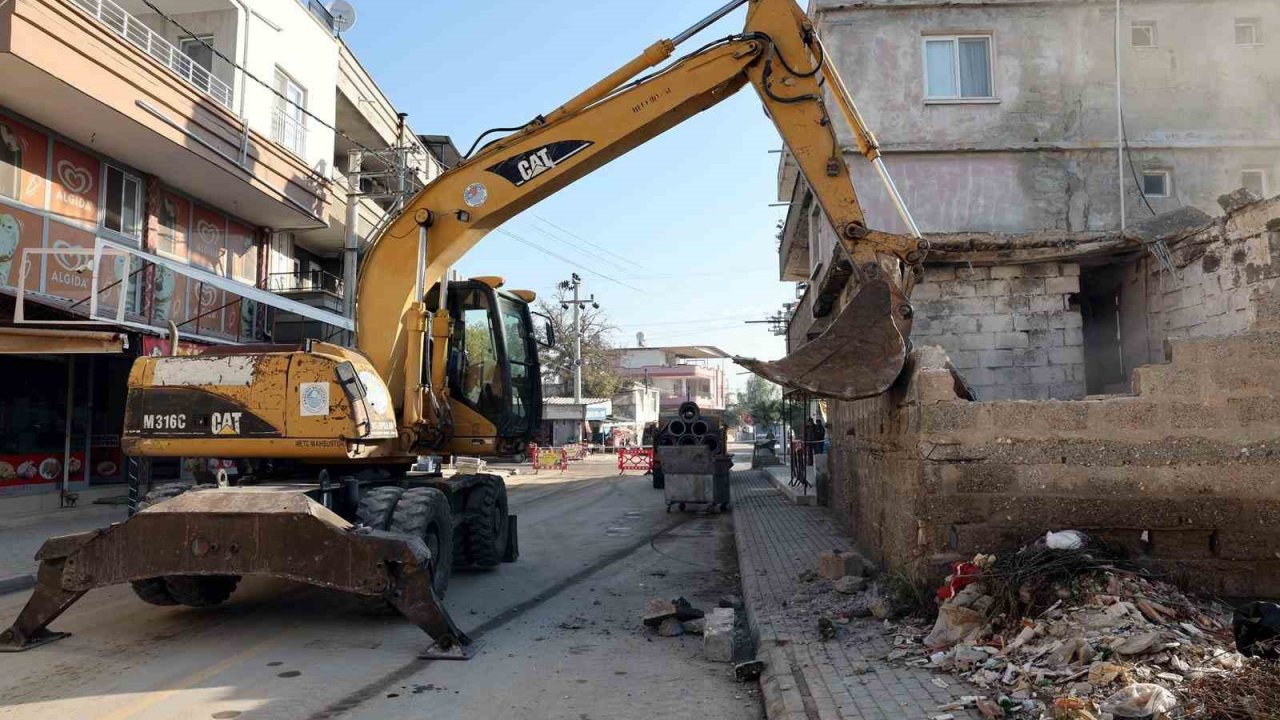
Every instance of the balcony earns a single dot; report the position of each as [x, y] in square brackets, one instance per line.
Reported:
[91, 71]
[289, 128]
[149, 42]
[305, 281]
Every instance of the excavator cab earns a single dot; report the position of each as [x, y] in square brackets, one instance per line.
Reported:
[494, 376]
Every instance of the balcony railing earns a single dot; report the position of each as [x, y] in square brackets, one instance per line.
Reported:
[289, 128]
[305, 280]
[162, 51]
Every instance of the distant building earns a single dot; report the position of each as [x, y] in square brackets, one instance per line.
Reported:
[566, 421]
[679, 373]
[635, 408]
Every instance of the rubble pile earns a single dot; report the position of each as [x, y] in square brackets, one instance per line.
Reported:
[1067, 633]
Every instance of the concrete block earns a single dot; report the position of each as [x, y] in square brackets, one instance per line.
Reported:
[966, 272]
[1041, 270]
[1030, 357]
[1048, 303]
[1011, 304]
[1012, 340]
[1033, 321]
[958, 325]
[997, 288]
[971, 306]
[835, 565]
[1066, 355]
[926, 291]
[1048, 375]
[1070, 269]
[1062, 285]
[1006, 272]
[978, 341]
[996, 358]
[939, 273]
[1072, 337]
[1027, 286]
[995, 323]
[1012, 376]
[717, 637]
[958, 289]
[1068, 391]
[964, 359]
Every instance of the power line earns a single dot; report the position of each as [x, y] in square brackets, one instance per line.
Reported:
[582, 250]
[579, 237]
[562, 258]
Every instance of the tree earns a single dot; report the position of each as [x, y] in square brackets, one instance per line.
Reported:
[762, 401]
[600, 376]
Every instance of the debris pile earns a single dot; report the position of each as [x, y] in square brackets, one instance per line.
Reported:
[672, 618]
[1063, 630]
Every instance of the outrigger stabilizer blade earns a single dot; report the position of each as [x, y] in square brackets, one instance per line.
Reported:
[860, 355]
[235, 532]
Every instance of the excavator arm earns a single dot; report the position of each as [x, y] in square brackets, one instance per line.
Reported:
[780, 55]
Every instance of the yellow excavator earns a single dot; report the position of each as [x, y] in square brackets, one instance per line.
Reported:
[451, 368]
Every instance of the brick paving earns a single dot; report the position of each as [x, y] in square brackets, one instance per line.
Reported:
[844, 678]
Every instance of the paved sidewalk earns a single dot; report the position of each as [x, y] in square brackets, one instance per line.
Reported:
[22, 535]
[807, 678]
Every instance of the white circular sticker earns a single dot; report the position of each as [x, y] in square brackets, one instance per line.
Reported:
[315, 399]
[375, 392]
[475, 195]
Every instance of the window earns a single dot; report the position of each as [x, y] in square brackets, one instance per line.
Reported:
[199, 49]
[1157, 183]
[1142, 34]
[958, 67]
[10, 163]
[122, 206]
[288, 123]
[1255, 181]
[1247, 32]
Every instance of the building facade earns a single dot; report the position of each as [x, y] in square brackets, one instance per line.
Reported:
[679, 373]
[156, 168]
[1001, 125]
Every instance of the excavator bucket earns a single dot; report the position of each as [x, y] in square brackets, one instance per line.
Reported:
[860, 354]
[235, 532]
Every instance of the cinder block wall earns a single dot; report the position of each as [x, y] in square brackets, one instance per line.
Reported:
[1184, 474]
[1008, 328]
[1212, 289]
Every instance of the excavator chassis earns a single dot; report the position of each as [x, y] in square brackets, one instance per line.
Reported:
[260, 532]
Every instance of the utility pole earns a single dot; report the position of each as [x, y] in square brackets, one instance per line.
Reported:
[579, 304]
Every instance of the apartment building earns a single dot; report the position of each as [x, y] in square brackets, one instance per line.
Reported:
[679, 373]
[169, 161]
[1001, 122]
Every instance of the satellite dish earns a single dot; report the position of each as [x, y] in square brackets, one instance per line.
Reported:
[640, 339]
[343, 14]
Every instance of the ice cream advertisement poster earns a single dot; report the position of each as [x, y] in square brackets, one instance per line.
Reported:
[19, 230]
[23, 156]
[69, 274]
[173, 214]
[208, 240]
[75, 184]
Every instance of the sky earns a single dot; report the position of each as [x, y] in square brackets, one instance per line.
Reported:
[684, 220]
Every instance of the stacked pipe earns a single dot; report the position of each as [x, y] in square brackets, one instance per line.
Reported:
[690, 428]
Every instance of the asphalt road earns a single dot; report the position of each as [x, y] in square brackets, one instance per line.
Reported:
[559, 633]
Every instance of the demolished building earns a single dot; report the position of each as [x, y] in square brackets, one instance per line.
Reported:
[1095, 337]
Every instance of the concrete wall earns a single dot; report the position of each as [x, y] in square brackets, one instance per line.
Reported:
[1009, 329]
[1183, 474]
[1041, 155]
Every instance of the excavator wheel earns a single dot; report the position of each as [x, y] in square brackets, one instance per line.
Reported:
[424, 512]
[155, 591]
[487, 531]
[374, 511]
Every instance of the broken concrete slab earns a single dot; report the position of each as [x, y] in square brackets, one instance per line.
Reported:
[717, 637]
[696, 626]
[1168, 225]
[850, 584]
[671, 627]
[1237, 199]
[656, 611]
[838, 564]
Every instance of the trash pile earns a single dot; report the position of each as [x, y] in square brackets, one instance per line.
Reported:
[1063, 630]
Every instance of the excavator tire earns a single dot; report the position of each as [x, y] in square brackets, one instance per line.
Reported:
[424, 513]
[201, 591]
[487, 532]
[374, 511]
[155, 591]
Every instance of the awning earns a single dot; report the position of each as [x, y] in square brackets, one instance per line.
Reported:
[37, 341]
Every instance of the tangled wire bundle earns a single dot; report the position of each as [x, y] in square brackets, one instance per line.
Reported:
[1249, 693]
[1026, 582]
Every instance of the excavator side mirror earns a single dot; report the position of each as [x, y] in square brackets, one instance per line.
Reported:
[548, 338]
[551, 335]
